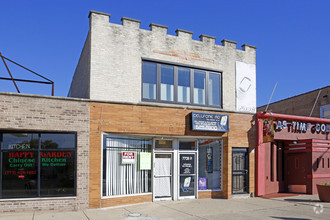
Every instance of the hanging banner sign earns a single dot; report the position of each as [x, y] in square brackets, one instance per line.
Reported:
[209, 159]
[209, 122]
[128, 157]
[268, 130]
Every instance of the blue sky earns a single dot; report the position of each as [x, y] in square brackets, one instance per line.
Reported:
[292, 37]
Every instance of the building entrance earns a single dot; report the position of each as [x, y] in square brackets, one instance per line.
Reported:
[163, 176]
[174, 169]
[187, 175]
[240, 170]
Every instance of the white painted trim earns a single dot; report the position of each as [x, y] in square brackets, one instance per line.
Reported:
[127, 195]
[101, 181]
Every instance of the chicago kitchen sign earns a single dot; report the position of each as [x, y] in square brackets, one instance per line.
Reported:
[298, 126]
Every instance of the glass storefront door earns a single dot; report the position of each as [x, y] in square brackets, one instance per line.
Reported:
[187, 181]
[187, 173]
[174, 169]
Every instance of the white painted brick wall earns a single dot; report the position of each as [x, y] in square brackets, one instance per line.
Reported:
[117, 51]
[80, 84]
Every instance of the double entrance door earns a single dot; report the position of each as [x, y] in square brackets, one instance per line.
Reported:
[174, 169]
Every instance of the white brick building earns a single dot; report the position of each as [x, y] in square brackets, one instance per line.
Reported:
[110, 64]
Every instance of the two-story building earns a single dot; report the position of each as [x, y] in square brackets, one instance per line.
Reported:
[170, 117]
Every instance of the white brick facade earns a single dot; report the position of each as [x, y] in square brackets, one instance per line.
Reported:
[116, 52]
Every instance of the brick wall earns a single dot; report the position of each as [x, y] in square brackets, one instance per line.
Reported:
[80, 82]
[301, 104]
[134, 119]
[41, 113]
[116, 52]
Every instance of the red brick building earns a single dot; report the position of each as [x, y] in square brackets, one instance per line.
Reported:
[303, 104]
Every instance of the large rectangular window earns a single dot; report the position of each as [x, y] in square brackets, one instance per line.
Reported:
[209, 164]
[126, 165]
[37, 164]
[180, 85]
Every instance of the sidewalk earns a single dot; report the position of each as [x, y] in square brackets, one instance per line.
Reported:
[297, 207]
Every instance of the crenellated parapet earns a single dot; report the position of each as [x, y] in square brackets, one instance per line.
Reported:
[110, 66]
[134, 24]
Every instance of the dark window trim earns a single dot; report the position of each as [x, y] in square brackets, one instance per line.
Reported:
[74, 149]
[181, 65]
[175, 84]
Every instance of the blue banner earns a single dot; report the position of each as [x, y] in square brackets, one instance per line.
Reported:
[209, 122]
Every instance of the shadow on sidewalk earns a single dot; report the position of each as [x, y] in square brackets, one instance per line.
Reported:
[302, 200]
[285, 218]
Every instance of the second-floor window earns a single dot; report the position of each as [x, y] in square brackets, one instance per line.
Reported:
[180, 85]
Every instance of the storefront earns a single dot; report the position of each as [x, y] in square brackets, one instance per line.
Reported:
[292, 153]
[181, 167]
[37, 164]
[149, 93]
[43, 153]
[148, 153]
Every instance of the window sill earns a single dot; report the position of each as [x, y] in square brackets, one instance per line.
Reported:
[179, 105]
[210, 190]
[39, 198]
[118, 196]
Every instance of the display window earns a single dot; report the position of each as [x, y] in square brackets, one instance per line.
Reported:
[37, 164]
[126, 165]
[209, 165]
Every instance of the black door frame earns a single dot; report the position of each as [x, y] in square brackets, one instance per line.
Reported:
[243, 172]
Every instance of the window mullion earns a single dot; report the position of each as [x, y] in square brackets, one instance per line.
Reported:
[220, 90]
[39, 164]
[191, 86]
[158, 82]
[175, 84]
[207, 88]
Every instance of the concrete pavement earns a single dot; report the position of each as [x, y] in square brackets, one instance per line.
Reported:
[296, 207]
